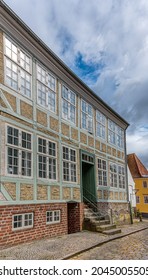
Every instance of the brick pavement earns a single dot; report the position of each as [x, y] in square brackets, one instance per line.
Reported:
[66, 246]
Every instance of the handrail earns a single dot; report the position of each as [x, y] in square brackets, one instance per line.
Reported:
[94, 197]
[101, 212]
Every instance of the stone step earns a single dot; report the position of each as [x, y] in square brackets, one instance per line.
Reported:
[102, 222]
[105, 227]
[88, 211]
[94, 217]
[111, 231]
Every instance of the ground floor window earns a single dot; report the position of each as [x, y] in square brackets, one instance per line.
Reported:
[22, 221]
[53, 217]
[19, 152]
[69, 165]
[46, 159]
[102, 172]
[113, 175]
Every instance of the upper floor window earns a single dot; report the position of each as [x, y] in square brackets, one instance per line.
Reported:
[17, 68]
[46, 159]
[102, 172]
[100, 125]
[86, 116]
[19, 152]
[145, 184]
[68, 104]
[69, 165]
[46, 89]
[137, 199]
[115, 134]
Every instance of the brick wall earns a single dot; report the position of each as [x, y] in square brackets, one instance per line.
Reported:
[75, 217]
[9, 237]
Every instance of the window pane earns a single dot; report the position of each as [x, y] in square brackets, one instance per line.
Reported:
[65, 109]
[12, 161]
[51, 82]
[42, 166]
[52, 149]
[51, 101]
[41, 74]
[26, 163]
[11, 74]
[12, 135]
[42, 145]
[41, 94]
[65, 92]
[65, 153]
[66, 171]
[25, 83]
[24, 61]
[26, 140]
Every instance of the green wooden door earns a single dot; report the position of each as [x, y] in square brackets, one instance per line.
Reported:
[88, 180]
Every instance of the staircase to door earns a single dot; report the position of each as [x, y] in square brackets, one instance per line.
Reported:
[94, 219]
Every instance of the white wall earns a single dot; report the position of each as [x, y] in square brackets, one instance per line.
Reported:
[131, 188]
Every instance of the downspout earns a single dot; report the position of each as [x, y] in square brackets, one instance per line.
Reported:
[129, 204]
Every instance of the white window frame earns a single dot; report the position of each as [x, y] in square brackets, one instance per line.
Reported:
[69, 104]
[48, 89]
[88, 117]
[69, 162]
[115, 135]
[47, 156]
[121, 177]
[113, 175]
[19, 66]
[102, 171]
[20, 149]
[145, 197]
[54, 221]
[101, 122]
[23, 226]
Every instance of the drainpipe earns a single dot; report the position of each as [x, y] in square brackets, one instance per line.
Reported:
[129, 204]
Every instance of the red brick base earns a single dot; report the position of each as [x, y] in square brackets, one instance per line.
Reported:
[40, 229]
[75, 217]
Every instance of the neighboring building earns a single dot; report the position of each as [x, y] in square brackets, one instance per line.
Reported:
[60, 143]
[131, 189]
[140, 176]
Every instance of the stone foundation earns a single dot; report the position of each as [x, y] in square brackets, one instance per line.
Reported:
[120, 211]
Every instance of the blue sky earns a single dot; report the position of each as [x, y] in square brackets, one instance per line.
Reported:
[106, 44]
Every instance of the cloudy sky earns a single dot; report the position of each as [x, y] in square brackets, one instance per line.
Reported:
[106, 44]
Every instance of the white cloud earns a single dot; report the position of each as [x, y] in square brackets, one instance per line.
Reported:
[113, 32]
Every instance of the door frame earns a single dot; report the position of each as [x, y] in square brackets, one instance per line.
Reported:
[81, 177]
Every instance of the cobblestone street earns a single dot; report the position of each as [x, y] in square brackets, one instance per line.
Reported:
[134, 246]
[131, 243]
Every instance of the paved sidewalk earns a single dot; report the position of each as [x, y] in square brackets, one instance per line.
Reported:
[66, 246]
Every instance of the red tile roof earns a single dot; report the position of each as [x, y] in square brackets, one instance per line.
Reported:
[137, 169]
